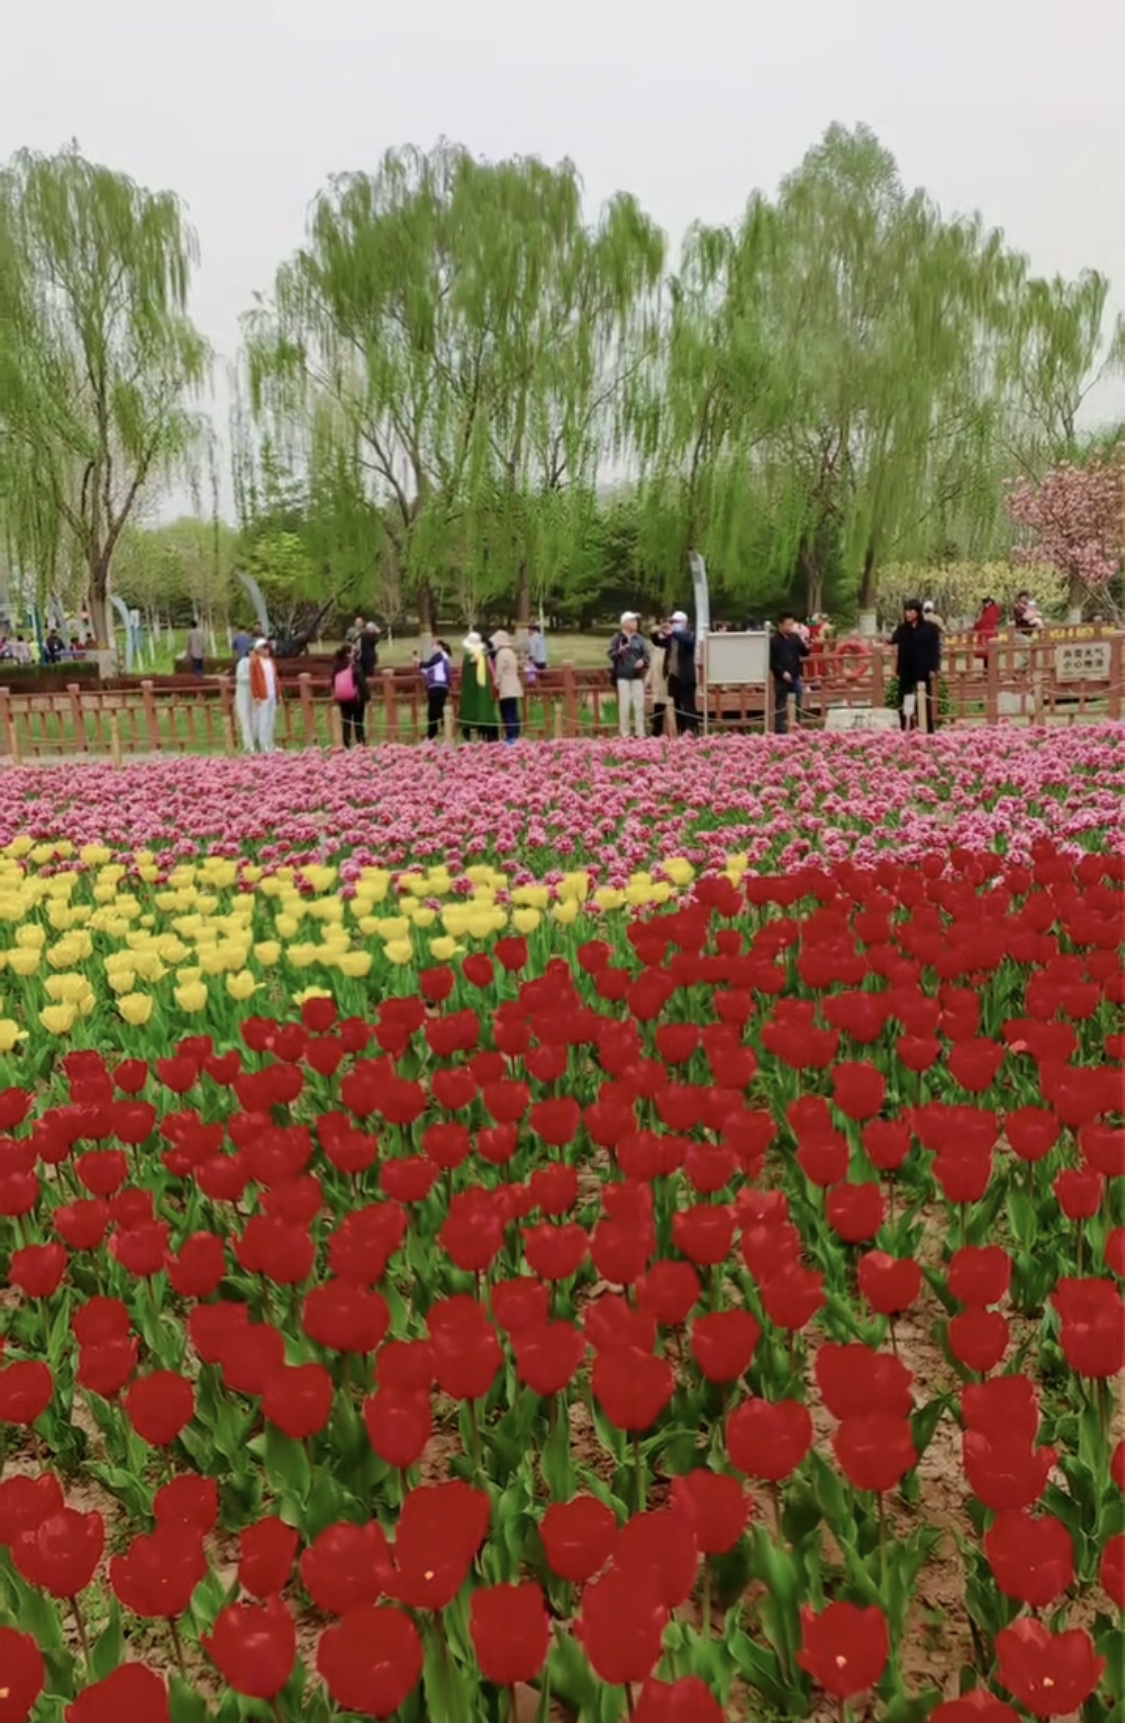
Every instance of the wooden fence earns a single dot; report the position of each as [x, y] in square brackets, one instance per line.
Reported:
[1052, 678]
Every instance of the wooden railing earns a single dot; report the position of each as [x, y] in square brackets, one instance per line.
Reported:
[1054, 677]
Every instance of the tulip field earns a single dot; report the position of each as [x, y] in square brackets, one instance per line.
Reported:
[565, 1232]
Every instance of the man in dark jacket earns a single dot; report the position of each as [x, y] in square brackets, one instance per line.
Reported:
[680, 673]
[918, 647]
[787, 648]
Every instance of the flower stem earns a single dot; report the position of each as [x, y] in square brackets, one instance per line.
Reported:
[177, 1647]
[638, 1475]
[81, 1626]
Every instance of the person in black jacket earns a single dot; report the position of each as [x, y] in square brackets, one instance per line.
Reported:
[787, 648]
[918, 647]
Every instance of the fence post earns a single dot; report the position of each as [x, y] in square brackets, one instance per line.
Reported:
[226, 701]
[390, 709]
[115, 738]
[148, 696]
[8, 719]
[878, 682]
[77, 717]
[1116, 675]
[570, 698]
[558, 720]
[308, 712]
[448, 722]
[992, 683]
[335, 725]
[921, 694]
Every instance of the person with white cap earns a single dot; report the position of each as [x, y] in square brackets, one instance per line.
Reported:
[628, 657]
[929, 614]
[477, 701]
[265, 692]
[681, 674]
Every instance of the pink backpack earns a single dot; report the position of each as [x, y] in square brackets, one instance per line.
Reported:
[343, 686]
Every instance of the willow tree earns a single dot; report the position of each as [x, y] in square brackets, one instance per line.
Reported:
[1057, 346]
[98, 362]
[879, 312]
[459, 318]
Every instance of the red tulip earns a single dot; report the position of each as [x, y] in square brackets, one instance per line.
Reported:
[874, 1449]
[621, 1625]
[159, 1406]
[715, 1505]
[823, 1158]
[26, 1388]
[371, 1660]
[253, 1646]
[399, 1424]
[1004, 1470]
[1032, 1132]
[1078, 1192]
[632, 1387]
[858, 1090]
[855, 1212]
[25, 1502]
[249, 1353]
[24, 1673]
[555, 1252]
[723, 1343]
[159, 1571]
[768, 1439]
[1032, 1560]
[548, 1356]
[844, 1648]
[853, 1379]
[792, 1294]
[687, 1700]
[659, 1547]
[889, 1284]
[439, 1531]
[979, 1274]
[975, 1706]
[1111, 1570]
[577, 1537]
[510, 1631]
[978, 1339]
[345, 1317]
[556, 1122]
[37, 1269]
[266, 1551]
[1093, 1326]
[704, 1233]
[61, 1553]
[297, 1399]
[1051, 1674]
[198, 1267]
[187, 1500]
[886, 1143]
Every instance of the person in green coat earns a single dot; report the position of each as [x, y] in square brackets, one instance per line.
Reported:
[477, 702]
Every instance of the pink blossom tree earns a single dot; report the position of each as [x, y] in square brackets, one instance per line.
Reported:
[1074, 520]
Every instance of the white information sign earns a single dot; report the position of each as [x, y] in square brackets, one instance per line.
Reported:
[861, 718]
[735, 660]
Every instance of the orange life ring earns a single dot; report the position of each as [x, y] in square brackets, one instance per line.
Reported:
[852, 656]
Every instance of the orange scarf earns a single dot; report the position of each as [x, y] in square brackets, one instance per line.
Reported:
[259, 686]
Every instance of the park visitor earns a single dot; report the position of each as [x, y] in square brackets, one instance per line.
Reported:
[242, 644]
[787, 648]
[264, 695]
[680, 673]
[243, 703]
[477, 705]
[628, 657]
[657, 683]
[918, 646]
[1025, 614]
[986, 627]
[537, 648]
[196, 649]
[509, 688]
[349, 690]
[929, 614]
[437, 669]
[367, 650]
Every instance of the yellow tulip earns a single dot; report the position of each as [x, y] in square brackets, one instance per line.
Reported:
[32, 935]
[24, 961]
[531, 896]
[320, 878]
[241, 986]
[20, 846]
[191, 996]
[58, 1019]
[574, 887]
[122, 980]
[356, 964]
[10, 1034]
[94, 855]
[394, 927]
[267, 952]
[399, 951]
[136, 1008]
[526, 920]
[150, 873]
[425, 917]
[443, 948]
[302, 956]
[62, 987]
[678, 870]
[566, 911]
[609, 897]
[286, 926]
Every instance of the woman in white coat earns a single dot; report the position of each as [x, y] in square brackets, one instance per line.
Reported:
[243, 706]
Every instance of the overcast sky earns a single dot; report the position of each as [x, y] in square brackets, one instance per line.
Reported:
[244, 107]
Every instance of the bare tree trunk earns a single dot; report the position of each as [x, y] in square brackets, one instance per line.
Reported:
[868, 602]
[425, 602]
[814, 579]
[523, 605]
[1075, 599]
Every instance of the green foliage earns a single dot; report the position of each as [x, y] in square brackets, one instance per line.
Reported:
[98, 360]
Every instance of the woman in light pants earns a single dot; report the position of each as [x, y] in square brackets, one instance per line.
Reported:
[628, 654]
[243, 704]
[264, 694]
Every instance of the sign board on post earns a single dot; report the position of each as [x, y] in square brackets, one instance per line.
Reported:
[701, 594]
[1083, 661]
[861, 718]
[734, 660]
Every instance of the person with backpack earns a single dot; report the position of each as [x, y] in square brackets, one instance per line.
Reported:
[349, 690]
[437, 669]
[477, 706]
